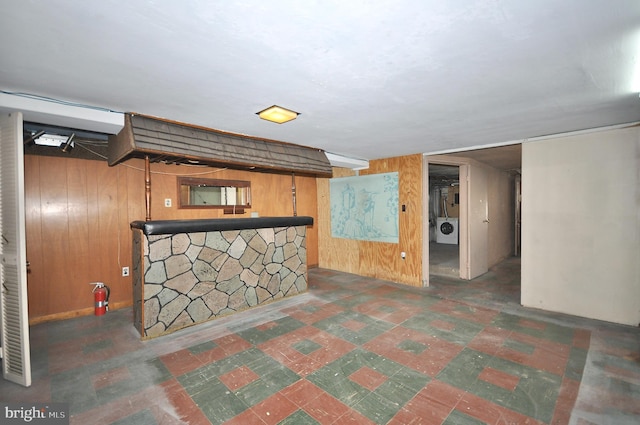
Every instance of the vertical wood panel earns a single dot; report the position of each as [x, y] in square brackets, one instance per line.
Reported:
[79, 237]
[57, 264]
[37, 289]
[93, 219]
[411, 221]
[121, 290]
[307, 194]
[134, 183]
[108, 225]
[378, 259]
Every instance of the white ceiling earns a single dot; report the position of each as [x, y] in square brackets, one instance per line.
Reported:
[371, 79]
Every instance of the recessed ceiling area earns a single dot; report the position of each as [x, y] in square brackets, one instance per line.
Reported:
[86, 144]
[370, 79]
[506, 158]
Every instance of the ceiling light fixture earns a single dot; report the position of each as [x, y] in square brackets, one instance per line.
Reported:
[65, 143]
[47, 139]
[278, 114]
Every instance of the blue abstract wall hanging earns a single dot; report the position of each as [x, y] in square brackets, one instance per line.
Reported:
[365, 207]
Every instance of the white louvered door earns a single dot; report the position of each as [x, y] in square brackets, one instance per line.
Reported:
[14, 318]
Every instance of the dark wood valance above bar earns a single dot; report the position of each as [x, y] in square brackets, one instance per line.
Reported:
[168, 227]
[167, 141]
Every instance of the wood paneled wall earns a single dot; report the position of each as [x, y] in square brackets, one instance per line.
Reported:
[378, 259]
[78, 214]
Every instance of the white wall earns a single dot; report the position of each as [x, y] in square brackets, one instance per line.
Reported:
[581, 225]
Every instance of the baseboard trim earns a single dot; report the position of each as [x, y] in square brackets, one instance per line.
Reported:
[75, 313]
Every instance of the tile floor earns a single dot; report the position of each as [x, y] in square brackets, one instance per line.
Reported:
[444, 259]
[351, 350]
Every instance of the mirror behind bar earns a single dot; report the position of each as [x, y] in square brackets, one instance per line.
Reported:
[213, 193]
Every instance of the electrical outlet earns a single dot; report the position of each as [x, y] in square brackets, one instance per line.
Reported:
[125, 271]
[167, 202]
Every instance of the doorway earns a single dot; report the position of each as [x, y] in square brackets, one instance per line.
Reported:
[486, 209]
[444, 220]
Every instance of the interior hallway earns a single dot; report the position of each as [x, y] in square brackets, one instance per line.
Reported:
[350, 350]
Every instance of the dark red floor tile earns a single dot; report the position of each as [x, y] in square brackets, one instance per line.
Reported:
[180, 362]
[301, 392]
[274, 409]
[238, 378]
[423, 409]
[110, 377]
[325, 408]
[499, 378]
[582, 338]
[443, 393]
[480, 408]
[276, 344]
[232, 344]
[326, 355]
[491, 413]
[368, 378]
[566, 400]
[406, 417]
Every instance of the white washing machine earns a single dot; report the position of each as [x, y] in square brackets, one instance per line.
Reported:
[447, 230]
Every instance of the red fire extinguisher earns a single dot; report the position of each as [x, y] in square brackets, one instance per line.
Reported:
[101, 298]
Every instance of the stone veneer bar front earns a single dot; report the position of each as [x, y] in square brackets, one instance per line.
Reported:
[187, 272]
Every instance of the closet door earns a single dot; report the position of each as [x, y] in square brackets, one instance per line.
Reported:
[14, 317]
[478, 222]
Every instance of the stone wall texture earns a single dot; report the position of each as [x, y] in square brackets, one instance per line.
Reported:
[191, 278]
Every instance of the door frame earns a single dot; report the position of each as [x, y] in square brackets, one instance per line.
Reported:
[468, 249]
[463, 245]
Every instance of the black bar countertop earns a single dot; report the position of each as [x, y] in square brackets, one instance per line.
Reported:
[165, 227]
